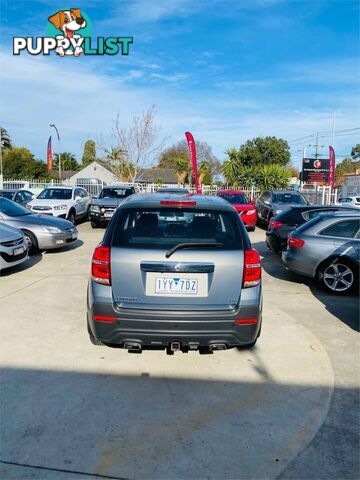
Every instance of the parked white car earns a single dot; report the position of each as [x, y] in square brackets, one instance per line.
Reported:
[350, 200]
[64, 202]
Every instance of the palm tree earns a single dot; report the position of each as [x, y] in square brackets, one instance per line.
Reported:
[5, 139]
[246, 177]
[272, 176]
[181, 169]
[68, 161]
[204, 170]
[231, 167]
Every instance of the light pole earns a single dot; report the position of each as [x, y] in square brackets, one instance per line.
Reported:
[59, 154]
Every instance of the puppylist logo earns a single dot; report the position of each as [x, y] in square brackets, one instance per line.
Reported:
[68, 33]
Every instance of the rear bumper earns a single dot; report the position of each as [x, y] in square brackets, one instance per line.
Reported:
[158, 328]
[274, 241]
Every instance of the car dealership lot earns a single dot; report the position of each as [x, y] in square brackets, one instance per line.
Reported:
[270, 412]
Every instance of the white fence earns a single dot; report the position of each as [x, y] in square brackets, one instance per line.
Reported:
[314, 194]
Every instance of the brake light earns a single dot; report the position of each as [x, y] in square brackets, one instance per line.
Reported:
[100, 266]
[104, 318]
[295, 242]
[178, 203]
[246, 321]
[252, 268]
[274, 224]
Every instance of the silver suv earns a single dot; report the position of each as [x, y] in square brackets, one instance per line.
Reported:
[175, 272]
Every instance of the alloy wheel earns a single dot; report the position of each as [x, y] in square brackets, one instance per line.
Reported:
[338, 277]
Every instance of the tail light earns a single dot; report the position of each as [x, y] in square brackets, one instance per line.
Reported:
[104, 318]
[295, 242]
[252, 268]
[178, 203]
[100, 266]
[246, 321]
[274, 224]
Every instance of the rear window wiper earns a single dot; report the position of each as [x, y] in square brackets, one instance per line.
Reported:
[191, 245]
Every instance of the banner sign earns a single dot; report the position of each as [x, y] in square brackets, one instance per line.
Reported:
[332, 167]
[192, 150]
[315, 170]
[49, 155]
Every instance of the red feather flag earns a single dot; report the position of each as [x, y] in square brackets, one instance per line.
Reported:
[49, 155]
[332, 167]
[192, 150]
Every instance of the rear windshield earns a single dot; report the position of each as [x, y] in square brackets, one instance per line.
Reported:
[56, 194]
[291, 216]
[8, 195]
[240, 198]
[165, 228]
[288, 198]
[116, 192]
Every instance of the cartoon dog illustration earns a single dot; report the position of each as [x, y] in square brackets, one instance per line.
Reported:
[68, 21]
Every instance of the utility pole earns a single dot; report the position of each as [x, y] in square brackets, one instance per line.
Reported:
[333, 130]
[317, 146]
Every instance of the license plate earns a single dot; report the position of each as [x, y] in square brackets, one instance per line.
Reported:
[186, 286]
[18, 251]
[108, 214]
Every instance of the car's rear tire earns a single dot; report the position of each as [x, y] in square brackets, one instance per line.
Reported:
[338, 276]
[93, 339]
[71, 216]
[32, 241]
[94, 224]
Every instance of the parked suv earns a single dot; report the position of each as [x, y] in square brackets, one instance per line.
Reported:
[327, 248]
[102, 209]
[64, 202]
[177, 273]
[283, 224]
[271, 203]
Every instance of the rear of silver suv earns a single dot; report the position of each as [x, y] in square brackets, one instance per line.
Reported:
[175, 272]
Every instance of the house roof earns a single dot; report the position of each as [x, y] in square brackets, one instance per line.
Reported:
[65, 174]
[152, 175]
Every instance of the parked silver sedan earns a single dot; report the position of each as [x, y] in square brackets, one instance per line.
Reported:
[327, 248]
[41, 231]
[13, 247]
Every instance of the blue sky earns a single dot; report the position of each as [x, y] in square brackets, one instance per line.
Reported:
[225, 70]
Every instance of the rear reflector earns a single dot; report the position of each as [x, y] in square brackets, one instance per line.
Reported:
[178, 203]
[295, 242]
[104, 318]
[274, 224]
[246, 321]
[100, 266]
[252, 268]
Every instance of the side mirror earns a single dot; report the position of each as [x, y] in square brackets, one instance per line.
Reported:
[266, 202]
[77, 198]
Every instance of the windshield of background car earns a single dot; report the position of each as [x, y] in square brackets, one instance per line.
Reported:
[8, 195]
[165, 228]
[288, 198]
[236, 198]
[115, 193]
[7, 207]
[56, 194]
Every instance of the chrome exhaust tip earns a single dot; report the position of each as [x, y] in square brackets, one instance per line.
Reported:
[217, 346]
[133, 347]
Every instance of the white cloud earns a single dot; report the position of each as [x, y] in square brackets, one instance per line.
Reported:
[83, 100]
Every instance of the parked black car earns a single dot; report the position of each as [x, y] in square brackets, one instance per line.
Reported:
[103, 208]
[23, 197]
[284, 223]
[273, 202]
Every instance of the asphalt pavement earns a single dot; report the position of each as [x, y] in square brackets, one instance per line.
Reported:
[286, 409]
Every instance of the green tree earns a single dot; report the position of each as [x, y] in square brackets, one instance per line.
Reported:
[347, 166]
[5, 139]
[355, 151]
[19, 162]
[89, 154]
[204, 173]
[231, 167]
[68, 161]
[272, 176]
[261, 151]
